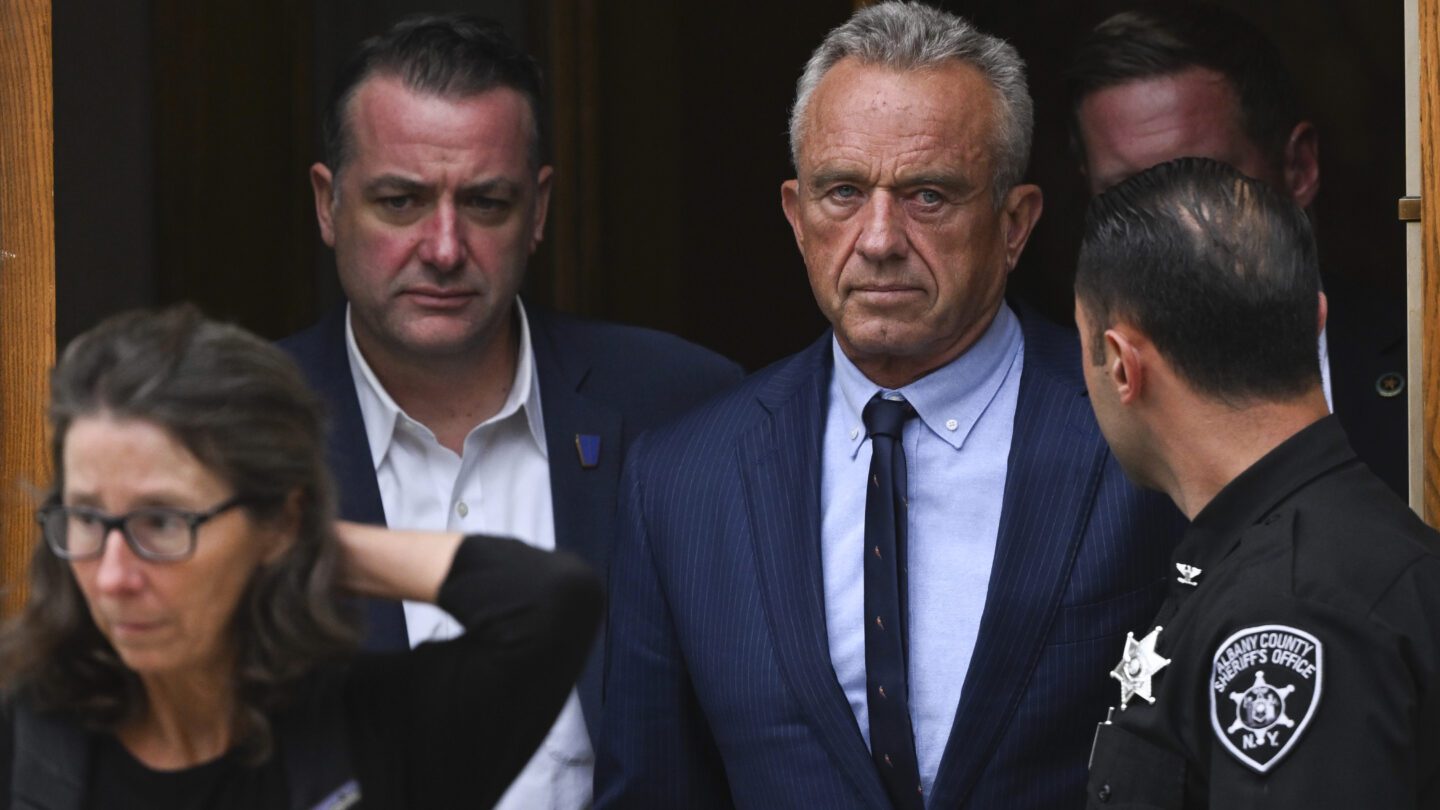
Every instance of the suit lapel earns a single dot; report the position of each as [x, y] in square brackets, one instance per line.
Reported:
[349, 446]
[583, 499]
[325, 361]
[1056, 459]
[780, 469]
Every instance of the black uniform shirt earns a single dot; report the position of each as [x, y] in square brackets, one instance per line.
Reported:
[1304, 663]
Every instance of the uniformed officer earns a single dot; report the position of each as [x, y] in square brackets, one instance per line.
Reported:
[1296, 660]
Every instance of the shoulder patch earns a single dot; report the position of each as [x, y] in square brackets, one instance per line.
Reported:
[1264, 687]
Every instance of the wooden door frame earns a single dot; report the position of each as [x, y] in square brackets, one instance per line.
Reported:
[1422, 43]
[27, 277]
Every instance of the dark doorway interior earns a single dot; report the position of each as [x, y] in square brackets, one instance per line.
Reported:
[184, 130]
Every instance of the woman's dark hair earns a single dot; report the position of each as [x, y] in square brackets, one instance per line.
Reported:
[241, 407]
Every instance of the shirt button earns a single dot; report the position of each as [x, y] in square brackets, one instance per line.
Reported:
[1103, 794]
[951, 424]
[462, 509]
[854, 433]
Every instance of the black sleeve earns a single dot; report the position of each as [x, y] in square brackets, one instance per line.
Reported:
[1372, 741]
[450, 724]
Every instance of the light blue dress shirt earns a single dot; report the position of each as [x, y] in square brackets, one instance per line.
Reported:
[957, 454]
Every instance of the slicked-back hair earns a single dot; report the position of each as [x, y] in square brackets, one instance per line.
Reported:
[241, 407]
[1217, 269]
[915, 37]
[453, 56]
[1162, 40]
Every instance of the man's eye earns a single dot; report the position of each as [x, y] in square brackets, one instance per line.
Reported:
[398, 202]
[487, 203]
[929, 196]
[845, 192]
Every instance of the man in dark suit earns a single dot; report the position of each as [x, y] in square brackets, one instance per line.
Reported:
[454, 406]
[1161, 83]
[894, 569]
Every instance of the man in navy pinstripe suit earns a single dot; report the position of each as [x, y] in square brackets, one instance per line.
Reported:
[739, 636]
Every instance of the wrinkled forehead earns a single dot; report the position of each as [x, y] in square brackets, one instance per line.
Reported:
[1129, 126]
[387, 96]
[954, 97]
[384, 109]
[888, 117]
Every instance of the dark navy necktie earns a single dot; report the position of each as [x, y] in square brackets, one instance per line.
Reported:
[892, 741]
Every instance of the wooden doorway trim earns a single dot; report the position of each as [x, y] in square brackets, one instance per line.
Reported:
[1429, 313]
[572, 47]
[27, 277]
[1422, 180]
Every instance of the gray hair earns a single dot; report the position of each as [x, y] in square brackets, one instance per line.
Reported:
[912, 36]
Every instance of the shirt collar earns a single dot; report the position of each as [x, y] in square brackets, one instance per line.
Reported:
[381, 415]
[951, 399]
[1260, 489]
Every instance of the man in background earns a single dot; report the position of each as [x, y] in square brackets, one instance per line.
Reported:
[455, 406]
[1165, 82]
[891, 570]
[1296, 660]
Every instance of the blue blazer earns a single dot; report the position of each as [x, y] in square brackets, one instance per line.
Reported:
[596, 379]
[719, 686]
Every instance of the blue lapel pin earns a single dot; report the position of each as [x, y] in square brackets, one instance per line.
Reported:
[588, 446]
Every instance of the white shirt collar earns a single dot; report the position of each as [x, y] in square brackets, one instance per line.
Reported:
[382, 416]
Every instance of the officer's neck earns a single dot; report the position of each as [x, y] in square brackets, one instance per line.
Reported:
[1208, 443]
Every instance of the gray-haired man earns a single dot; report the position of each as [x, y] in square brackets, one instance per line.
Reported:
[892, 569]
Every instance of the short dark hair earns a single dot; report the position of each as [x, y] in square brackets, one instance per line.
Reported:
[242, 408]
[1164, 40]
[1218, 269]
[449, 55]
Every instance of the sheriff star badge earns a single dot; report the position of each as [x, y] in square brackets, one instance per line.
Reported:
[1138, 666]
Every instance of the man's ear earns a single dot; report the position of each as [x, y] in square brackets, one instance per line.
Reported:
[1019, 213]
[1302, 164]
[322, 182]
[542, 205]
[790, 203]
[1124, 365]
[1324, 312]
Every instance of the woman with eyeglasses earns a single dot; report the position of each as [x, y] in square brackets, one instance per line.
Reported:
[186, 641]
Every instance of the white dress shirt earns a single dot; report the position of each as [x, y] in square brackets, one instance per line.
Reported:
[499, 486]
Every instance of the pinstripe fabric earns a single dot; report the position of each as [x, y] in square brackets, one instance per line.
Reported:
[719, 688]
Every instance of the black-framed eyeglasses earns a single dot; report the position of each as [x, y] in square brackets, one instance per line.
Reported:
[155, 533]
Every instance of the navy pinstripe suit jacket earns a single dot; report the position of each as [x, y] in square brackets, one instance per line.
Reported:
[719, 689]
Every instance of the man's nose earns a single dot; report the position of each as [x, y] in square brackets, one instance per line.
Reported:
[118, 568]
[883, 228]
[442, 246]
